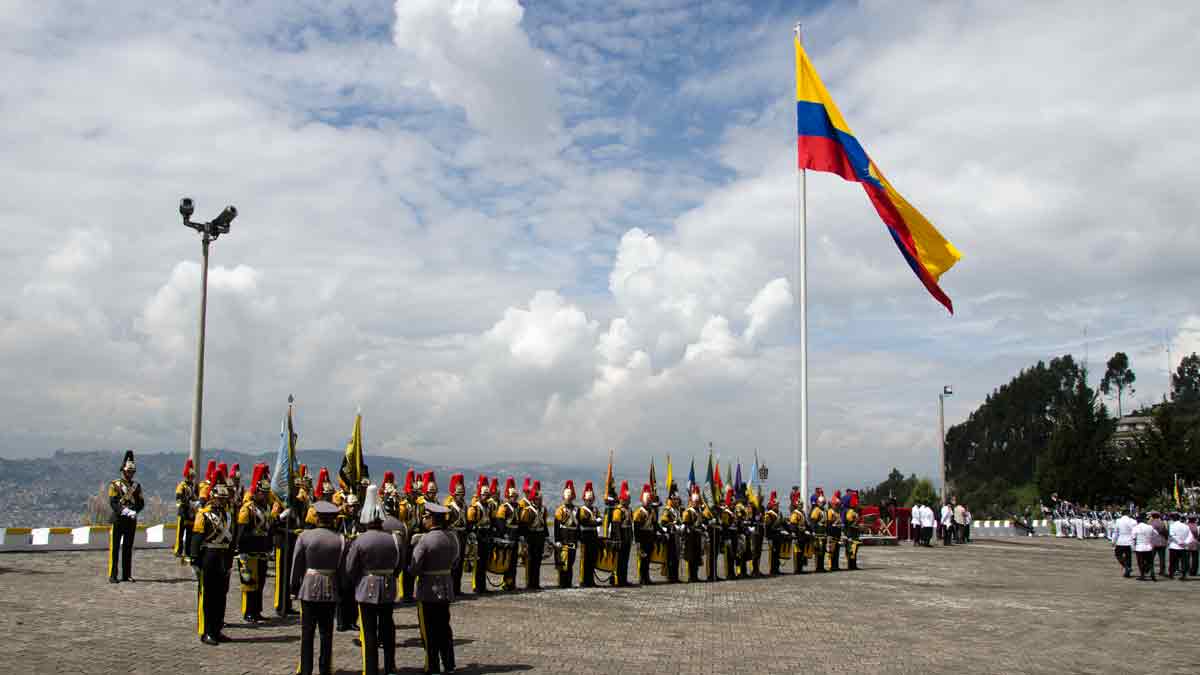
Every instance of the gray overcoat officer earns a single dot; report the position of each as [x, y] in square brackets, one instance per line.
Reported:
[371, 566]
[315, 579]
[433, 558]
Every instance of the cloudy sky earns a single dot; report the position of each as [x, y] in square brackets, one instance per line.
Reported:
[542, 230]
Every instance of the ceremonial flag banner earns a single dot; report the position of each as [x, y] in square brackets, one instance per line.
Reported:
[716, 484]
[670, 473]
[692, 475]
[352, 463]
[826, 143]
[609, 489]
[285, 457]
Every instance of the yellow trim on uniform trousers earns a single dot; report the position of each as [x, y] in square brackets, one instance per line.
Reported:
[278, 572]
[200, 602]
[362, 638]
[112, 532]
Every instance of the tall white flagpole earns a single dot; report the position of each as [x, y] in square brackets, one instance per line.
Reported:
[801, 276]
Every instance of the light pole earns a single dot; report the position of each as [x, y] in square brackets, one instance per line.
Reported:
[947, 390]
[208, 232]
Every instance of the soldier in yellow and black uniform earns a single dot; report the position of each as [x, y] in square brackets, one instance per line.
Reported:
[744, 513]
[798, 525]
[566, 535]
[671, 520]
[533, 523]
[456, 524]
[620, 529]
[588, 519]
[774, 532]
[727, 518]
[407, 515]
[286, 523]
[692, 520]
[185, 511]
[389, 496]
[126, 501]
[323, 492]
[852, 531]
[212, 538]
[505, 524]
[253, 543]
[833, 523]
[645, 530]
[479, 530]
[818, 521]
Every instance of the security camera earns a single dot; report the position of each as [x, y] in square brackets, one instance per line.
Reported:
[186, 208]
[220, 224]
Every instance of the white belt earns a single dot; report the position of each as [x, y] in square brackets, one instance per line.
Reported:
[325, 573]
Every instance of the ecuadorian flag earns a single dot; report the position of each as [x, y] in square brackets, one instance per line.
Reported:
[827, 144]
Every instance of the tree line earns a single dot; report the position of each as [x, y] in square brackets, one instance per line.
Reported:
[1049, 431]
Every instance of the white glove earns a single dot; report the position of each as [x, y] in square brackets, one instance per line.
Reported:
[285, 513]
[129, 513]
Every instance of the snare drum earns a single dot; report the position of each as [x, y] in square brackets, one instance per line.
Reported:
[503, 556]
[785, 549]
[658, 552]
[608, 555]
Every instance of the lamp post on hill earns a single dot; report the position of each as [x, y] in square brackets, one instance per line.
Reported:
[208, 233]
[947, 390]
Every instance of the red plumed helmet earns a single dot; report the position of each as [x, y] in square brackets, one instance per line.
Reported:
[494, 489]
[322, 479]
[587, 487]
[210, 474]
[480, 484]
[624, 495]
[223, 471]
[795, 497]
[260, 473]
[525, 488]
[773, 501]
[510, 488]
[389, 477]
[646, 494]
[303, 471]
[188, 467]
[536, 491]
[569, 485]
[408, 482]
[237, 471]
[456, 483]
[429, 482]
[854, 500]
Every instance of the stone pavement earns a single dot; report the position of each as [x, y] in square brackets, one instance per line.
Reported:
[996, 606]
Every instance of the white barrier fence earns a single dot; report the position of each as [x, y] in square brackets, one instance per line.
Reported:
[84, 537]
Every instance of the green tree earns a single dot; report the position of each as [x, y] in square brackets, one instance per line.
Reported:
[1118, 378]
[1078, 462]
[1185, 383]
[922, 493]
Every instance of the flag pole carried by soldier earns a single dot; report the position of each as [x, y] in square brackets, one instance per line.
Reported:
[126, 501]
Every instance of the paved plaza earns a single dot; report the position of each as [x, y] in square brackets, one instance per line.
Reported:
[996, 606]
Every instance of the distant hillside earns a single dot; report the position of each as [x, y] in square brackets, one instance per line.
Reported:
[54, 491]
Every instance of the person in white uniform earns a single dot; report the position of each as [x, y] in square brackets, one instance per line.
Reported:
[1122, 539]
[1179, 544]
[1143, 547]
